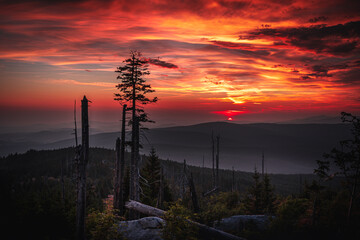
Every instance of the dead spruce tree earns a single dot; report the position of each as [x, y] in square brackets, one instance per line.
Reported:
[81, 172]
[133, 90]
[119, 167]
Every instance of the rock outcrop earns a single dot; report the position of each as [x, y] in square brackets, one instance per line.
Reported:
[238, 223]
[142, 229]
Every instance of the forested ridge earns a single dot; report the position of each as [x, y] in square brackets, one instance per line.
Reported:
[38, 193]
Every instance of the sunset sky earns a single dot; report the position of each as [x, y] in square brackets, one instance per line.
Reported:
[259, 61]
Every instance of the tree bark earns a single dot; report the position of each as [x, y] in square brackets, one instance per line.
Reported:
[184, 180]
[117, 185]
[233, 180]
[133, 140]
[81, 193]
[122, 162]
[62, 182]
[161, 190]
[262, 165]
[217, 159]
[193, 194]
[137, 170]
[213, 158]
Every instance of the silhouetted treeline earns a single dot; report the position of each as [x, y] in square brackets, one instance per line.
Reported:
[31, 193]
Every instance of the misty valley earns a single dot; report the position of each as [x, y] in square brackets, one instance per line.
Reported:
[254, 197]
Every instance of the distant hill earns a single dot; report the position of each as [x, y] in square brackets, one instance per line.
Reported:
[321, 119]
[288, 148]
[36, 164]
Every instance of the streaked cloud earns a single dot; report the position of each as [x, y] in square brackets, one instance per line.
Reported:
[220, 55]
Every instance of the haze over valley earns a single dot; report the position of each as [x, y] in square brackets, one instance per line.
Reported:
[288, 148]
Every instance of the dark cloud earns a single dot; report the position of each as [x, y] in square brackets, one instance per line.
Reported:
[257, 53]
[351, 77]
[329, 73]
[141, 29]
[318, 19]
[279, 43]
[230, 44]
[161, 63]
[266, 10]
[321, 71]
[338, 39]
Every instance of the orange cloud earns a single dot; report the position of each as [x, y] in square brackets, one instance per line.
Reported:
[253, 57]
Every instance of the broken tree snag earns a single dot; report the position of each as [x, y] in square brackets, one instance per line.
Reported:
[217, 159]
[75, 129]
[233, 180]
[205, 232]
[81, 180]
[184, 180]
[160, 200]
[193, 194]
[62, 182]
[122, 161]
[262, 166]
[117, 175]
[137, 170]
[213, 158]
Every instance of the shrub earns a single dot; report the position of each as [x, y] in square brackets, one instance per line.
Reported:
[103, 225]
[177, 225]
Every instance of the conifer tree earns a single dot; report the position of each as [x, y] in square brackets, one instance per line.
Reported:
[268, 197]
[151, 183]
[346, 160]
[253, 199]
[132, 91]
[151, 179]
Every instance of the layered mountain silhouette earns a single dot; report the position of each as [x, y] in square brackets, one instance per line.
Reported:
[288, 148]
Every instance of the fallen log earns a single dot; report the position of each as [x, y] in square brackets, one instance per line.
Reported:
[145, 209]
[205, 232]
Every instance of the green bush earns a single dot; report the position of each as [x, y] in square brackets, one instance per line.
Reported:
[177, 225]
[292, 215]
[103, 225]
[224, 204]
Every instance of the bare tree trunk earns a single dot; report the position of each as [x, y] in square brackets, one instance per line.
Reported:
[213, 158]
[81, 196]
[117, 186]
[122, 162]
[193, 194]
[161, 190]
[75, 170]
[217, 159]
[203, 173]
[184, 178]
[137, 170]
[353, 191]
[233, 180]
[262, 165]
[75, 129]
[133, 170]
[62, 182]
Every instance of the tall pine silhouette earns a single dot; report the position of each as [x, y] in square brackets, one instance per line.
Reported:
[132, 91]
